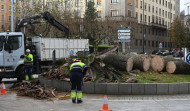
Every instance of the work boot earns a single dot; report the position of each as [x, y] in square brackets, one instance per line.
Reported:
[26, 78]
[79, 101]
[73, 100]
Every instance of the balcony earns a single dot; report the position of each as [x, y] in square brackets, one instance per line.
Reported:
[160, 26]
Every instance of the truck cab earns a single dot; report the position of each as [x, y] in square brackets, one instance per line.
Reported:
[12, 46]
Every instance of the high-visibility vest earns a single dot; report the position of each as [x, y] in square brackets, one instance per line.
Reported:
[77, 66]
[27, 61]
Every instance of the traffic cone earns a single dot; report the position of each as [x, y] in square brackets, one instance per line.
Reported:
[3, 89]
[105, 105]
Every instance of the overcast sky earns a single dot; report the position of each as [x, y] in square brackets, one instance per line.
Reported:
[182, 5]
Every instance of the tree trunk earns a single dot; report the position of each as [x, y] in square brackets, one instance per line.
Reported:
[157, 63]
[118, 61]
[178, 67]
[141, 62]
[166, 60]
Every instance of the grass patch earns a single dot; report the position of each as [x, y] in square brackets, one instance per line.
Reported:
[155, 77]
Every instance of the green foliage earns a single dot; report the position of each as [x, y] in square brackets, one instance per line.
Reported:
[179, 34]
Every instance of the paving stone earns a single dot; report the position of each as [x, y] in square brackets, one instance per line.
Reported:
[150, 89]
[125, 88]
[112, 88]
[100, 88]
[138, 89]
[88, 88]
[174, 88]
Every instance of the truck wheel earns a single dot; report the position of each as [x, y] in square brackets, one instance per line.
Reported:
[20, 74]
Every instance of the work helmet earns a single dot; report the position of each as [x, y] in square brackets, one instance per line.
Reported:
[27, 50]
[76, 60]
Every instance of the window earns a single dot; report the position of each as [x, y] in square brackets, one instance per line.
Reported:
[141, 4]
[99, 2]
[153, 18]
[114, 1]
[168, 14]
[114, 13]
[129, 13]
[163, 2]
[136, 15]
[9, 8]
[2, 28]
[149, 7]
[136, 42]
[145, 18]
[140, 42]
[141, 17]
[66, 3]
[136, 3]
[149, 43]
[148, 19]
[99, 14]
[2, 17]
[162, 12]
[13, 43]
[77, 3]
[166, 44]
[1, 42]
[9, 18]
[2, 7]
[145, 6]
[130, 2]
[156, 43]
[152, 43]
[153, 9]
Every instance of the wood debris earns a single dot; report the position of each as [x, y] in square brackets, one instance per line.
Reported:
[33, 89]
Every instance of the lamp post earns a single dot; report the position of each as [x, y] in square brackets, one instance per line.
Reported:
[12, 16]
[170, 26]
[143, 29]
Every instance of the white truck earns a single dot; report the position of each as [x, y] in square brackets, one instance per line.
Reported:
[14, 44]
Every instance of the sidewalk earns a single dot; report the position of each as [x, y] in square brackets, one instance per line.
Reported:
[11, 102]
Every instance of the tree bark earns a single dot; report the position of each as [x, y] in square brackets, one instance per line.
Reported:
[178, 67]
[118, 61]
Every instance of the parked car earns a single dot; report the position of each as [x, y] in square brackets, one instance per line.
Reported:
[156, 52]
[165, 53]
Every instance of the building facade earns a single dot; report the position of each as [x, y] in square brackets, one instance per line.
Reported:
[5, 14]
[155, 19]
[187, 7]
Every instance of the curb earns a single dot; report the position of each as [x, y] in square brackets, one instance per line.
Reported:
[122, 88]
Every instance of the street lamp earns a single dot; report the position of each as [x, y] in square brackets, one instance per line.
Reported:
[143, 29]
[12, 16]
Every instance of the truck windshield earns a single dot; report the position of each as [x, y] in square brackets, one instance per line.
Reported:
[1, 42]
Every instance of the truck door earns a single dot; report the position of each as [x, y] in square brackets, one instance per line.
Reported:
[14, 48]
